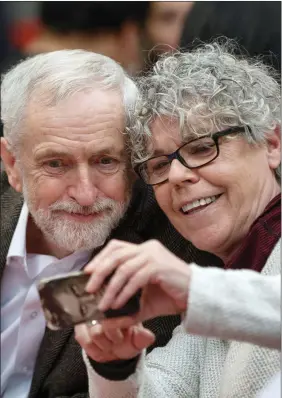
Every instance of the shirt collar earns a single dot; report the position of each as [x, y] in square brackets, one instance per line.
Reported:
[18, 244]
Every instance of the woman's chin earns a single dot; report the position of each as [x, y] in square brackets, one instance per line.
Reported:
[208, 240]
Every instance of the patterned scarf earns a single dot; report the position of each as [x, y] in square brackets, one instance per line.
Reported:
[261, 239]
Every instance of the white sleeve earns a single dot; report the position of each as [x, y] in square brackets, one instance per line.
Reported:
[170, 371]
[273, 389]
[238, 305]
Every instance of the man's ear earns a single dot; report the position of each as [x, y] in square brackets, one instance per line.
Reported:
[273, 141]
[11, 166]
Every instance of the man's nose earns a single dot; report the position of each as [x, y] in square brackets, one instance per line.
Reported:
[178, 173]
[84, 190]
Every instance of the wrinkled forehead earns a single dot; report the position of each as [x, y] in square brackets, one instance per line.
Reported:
[90, 102]
[81, 117]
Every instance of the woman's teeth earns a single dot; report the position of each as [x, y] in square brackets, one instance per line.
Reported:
[198, 203]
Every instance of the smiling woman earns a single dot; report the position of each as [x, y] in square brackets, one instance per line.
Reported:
[206, 135]
[215, 118]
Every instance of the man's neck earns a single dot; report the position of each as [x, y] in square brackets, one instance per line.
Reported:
[36, 243]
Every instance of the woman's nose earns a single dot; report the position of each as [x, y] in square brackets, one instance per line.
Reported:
[179, 173]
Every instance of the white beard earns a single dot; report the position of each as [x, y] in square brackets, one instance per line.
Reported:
[74, 235]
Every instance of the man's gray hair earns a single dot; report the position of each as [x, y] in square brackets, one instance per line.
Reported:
[206, 90]
[55, 76]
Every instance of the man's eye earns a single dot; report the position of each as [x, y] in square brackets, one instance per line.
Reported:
[107, 164]
[54, 164]
[107, 161]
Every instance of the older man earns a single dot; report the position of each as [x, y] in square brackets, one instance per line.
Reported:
[64, 149]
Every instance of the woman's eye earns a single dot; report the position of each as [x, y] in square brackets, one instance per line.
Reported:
[202, 149]
[160, 166]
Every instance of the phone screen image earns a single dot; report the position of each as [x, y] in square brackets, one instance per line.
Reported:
[65, 302]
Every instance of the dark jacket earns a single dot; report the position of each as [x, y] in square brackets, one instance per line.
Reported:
[60, 370]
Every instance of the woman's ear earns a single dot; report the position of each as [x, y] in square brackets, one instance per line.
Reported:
[273, 141]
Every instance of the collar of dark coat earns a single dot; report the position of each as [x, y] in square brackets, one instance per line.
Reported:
[53, 342]
[11, 205]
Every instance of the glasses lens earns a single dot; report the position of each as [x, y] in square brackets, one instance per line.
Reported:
[199, 152]
[155, 170]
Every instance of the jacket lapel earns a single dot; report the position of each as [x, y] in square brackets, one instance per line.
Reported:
[53, 342]
[11, 205]
[51, 346]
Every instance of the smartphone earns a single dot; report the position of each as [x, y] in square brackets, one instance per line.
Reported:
[65, 302]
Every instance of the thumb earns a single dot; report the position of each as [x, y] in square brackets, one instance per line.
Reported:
[142, 338]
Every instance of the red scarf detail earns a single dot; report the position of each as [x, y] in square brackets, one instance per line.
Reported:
[261, 239]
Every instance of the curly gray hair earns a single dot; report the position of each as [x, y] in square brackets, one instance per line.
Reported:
[204, 90]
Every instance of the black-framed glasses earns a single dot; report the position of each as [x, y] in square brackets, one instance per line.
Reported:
[193, 155]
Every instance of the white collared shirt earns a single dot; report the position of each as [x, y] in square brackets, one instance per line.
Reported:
[22, 320]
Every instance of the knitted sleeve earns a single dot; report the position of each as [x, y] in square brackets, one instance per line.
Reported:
[170, 371]
[240, 305]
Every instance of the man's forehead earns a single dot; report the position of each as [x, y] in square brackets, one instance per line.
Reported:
[84, 104]
[79, 118]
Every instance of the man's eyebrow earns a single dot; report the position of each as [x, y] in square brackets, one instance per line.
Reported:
[111, 150]
[50, 152]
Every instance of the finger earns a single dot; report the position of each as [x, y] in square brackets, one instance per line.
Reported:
[113, 245]
[98, 355]
[82, 335]
[107, 267]
[140, 279]
[100, 339]
[115, 335]
[120, 323]
[120, 279]
[142, 338]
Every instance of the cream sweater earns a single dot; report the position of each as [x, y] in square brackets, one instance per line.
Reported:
[239, 305]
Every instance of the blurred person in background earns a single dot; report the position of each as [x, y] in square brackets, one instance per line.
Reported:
[120, 30]
[165, 23]
[4, 42]
[255, 25]
[110, 28]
